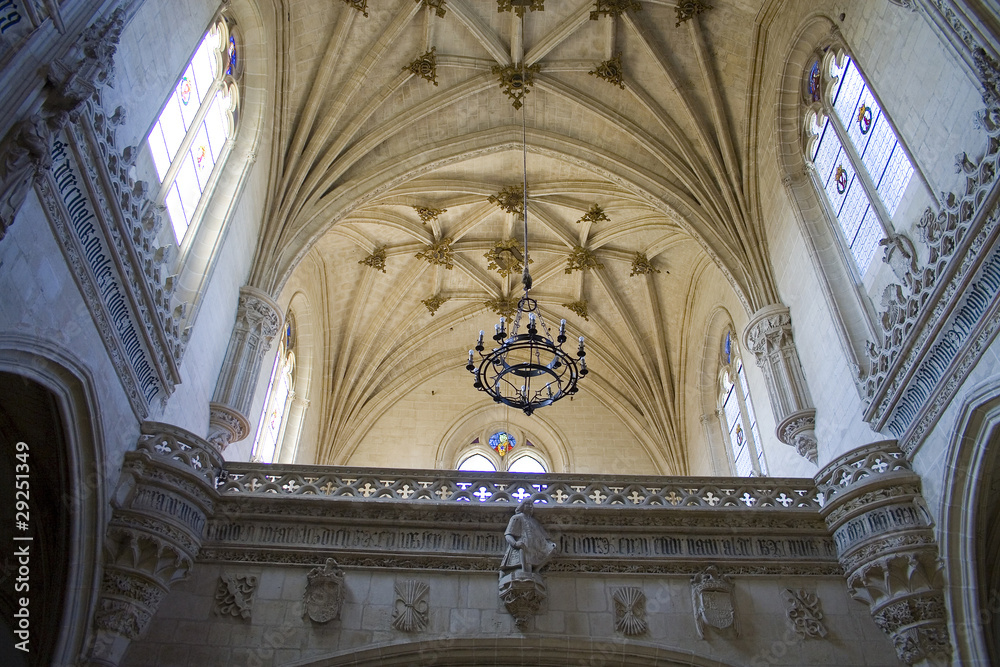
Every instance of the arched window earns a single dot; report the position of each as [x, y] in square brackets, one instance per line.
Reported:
[736, 412]
[501, 453]
[279, 396]
[193, 133]
[860, 164]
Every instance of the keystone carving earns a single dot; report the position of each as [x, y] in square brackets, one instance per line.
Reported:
[769, 337]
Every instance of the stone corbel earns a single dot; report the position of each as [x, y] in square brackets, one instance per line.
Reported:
[258, 321]
[885, 542]
[769, 337]
[165, 495]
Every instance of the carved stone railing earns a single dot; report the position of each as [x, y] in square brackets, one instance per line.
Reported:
[430, 486]
[939, 321]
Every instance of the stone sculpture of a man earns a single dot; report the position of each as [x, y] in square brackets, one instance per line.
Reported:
[528, 545]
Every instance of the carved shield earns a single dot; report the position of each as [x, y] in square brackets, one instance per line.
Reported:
[324, 594]
[717, 609]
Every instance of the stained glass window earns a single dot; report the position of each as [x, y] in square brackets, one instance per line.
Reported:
[737, 415]
[859, 161]
[502, 442]
[191, 134]
[497, 454]
[270, 431]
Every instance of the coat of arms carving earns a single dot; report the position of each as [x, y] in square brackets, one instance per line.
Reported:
[712, 597]
[324, 594]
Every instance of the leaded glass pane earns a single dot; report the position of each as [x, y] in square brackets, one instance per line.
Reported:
[187, 186]
[477, 463]
[177, 218]
[895, 179]
[737, 438]
[866, 242]
[526, 464]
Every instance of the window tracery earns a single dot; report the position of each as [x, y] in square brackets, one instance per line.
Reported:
[503, 451]
[193, 134]
[860, 164]
[736, 413]
[280, 392]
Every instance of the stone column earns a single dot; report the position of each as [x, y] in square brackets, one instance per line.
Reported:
[165, 495]
[258, 320]
[769, 337]
[874, 509]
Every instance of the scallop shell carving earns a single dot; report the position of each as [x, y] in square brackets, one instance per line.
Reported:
[630, 611]
[409, 613]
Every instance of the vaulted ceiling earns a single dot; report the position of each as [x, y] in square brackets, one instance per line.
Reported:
[394, 128]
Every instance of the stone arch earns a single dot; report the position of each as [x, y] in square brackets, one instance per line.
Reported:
[515, 652]
[968, 531]
[556, 453]
[852, 312]
[50, 371]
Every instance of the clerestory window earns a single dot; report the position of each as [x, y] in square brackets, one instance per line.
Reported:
[500, 455]
[860, 164]
[193, 134]
[280, 391]
[739, 422]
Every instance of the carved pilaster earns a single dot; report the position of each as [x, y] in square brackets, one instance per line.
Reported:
[164, 497]
[257, 323]
[886, 545]
[769, 337]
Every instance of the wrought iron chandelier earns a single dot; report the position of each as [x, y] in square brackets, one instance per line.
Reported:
[529, 369]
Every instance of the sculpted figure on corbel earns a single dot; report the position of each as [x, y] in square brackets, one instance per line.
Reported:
[163, 500]
[769, 337]
[529, 549]
[25, 154]
[885, 542]
[258, 321]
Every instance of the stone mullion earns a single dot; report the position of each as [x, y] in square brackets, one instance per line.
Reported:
[769, 337]
[258, 321]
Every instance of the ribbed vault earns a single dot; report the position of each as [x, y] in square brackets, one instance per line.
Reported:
[364, 141]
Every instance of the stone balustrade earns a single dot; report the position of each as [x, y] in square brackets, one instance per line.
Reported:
[436, 486]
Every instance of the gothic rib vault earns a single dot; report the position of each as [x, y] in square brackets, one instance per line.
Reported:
[365, 140]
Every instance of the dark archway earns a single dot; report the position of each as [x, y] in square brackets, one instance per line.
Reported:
[35, 475]
[516, 652]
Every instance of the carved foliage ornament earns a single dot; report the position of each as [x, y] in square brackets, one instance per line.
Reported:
[712, 596]
[688, 9]
[582, 259]
[594, 215]
[360, 5]
[409, 611]
[324, 595]
[805, 618]
[234, 596]
[425, 67]
[439, 253]
[520, 6]
[437, 5]
[376, 260]
[516, 80]
[611, 71]
[433, 303]
[613, 8]
[580, 308]
[506, 257]
[505, 306]
[510, 198]
[641, 265]
[630, 611]
[427, 213]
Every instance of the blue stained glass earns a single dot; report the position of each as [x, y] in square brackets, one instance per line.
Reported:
[502, 442]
